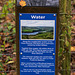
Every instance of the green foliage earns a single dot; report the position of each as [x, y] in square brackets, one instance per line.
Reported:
[7, 8]
[9, 27]
[3, 46]
[7, 30]
[9, 58]
[67, 43]
[65, 37]
[46, 35]
[1, 67]
[14, 31]
[25, 31]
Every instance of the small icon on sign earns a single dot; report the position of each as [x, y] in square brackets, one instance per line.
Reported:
[22, 3]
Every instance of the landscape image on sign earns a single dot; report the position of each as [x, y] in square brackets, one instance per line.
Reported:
[37, 29]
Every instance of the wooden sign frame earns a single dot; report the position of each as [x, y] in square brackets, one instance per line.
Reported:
[34, 9]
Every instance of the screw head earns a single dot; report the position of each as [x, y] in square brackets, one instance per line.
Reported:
[54, 14]
[20, 14]
[21, 53]
[53, 53]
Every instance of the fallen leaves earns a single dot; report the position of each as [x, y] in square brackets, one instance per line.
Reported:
[10, 62]
[7, 38]
[7, 45]
[0, 8]
[73, 18]
[73, 48]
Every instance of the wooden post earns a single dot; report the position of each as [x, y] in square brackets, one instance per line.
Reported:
[34, 9]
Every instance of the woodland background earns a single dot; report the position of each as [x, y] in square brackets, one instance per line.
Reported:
[66, 38]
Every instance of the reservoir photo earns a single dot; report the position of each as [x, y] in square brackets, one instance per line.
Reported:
[37, 29]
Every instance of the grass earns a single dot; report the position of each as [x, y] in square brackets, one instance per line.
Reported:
[27, 31]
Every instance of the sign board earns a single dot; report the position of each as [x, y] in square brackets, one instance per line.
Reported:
[37, 37]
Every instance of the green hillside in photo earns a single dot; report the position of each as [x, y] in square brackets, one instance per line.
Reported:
[37, 32]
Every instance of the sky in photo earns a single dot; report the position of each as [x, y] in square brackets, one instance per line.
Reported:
[34, 23]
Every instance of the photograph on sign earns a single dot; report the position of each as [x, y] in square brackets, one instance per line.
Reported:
[37, 29]
[53, 3]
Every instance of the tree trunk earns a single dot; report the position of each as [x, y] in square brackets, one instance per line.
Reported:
[65, 27]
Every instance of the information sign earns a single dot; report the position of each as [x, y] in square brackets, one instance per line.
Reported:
[37, 43]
